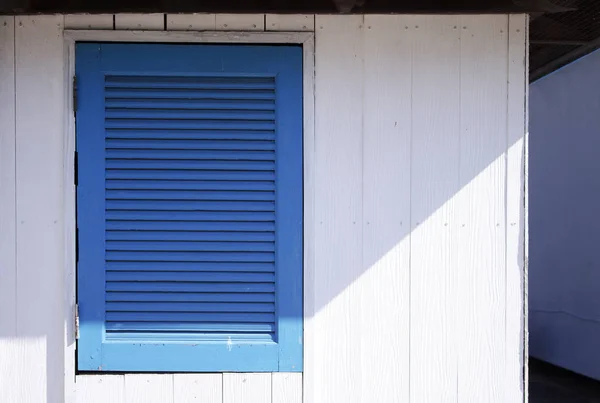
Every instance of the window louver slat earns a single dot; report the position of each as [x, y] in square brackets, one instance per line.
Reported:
[190, 266]
[190, 207]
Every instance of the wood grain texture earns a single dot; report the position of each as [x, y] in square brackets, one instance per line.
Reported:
[198, 388]
[89, 21]
[287, 387]
[149, 388]
[338, 208]
[481, 224]
[240, 22]
[154, 22]
[8, 270]
[16, 353]
[247, 388]
[434, 185]
[290, 22]
[516, 211]
[39, 200]
[385, 284]
[191, 22]
[101, 389]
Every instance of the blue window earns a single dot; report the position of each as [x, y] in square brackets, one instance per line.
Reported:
[189, 207]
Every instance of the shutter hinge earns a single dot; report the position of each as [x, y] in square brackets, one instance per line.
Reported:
[77, 245]
[74, 94]
[76, 321]
[76, 166]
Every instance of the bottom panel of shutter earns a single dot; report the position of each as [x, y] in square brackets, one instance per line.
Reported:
[188, 356]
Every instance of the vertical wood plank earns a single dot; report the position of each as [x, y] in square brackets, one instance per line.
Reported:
[287, 387]
[10, 348]
[240, 22]
[89, 21]
[100, 388]
[148, 388]
[10, 357]
[338, 208]
[481, 214]
[154, 22]
[434, 184]
[198, 388]
[247, 388]
[39, 201]
[384, 287]
[290, 22]
[8, 273]
[516, 211]
[191, 22]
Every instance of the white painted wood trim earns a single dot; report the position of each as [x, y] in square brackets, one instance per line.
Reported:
[306, 39]
[309, 150]
[140, 21]
[516, 211]
[188, 36]
[191, 22]
[89, 21]
[287, 22]
[240, 22]
[70, 240]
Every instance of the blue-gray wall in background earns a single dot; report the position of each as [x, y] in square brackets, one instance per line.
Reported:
[564, 211]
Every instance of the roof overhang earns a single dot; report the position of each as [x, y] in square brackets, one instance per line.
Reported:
[278, 6]
[560, 30]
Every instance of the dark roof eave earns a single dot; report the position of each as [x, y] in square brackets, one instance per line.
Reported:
[279, 6]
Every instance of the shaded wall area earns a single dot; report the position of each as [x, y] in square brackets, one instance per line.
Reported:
[564, 188]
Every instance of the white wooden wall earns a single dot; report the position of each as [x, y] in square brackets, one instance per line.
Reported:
[415, 257]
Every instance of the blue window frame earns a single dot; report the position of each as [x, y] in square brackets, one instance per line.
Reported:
[189, 207]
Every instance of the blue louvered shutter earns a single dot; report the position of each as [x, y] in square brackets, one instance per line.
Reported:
[189, 207]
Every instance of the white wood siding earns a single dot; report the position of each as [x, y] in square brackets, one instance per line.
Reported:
[31, 358]
[435, 161]
[414, 261]
[386, 209]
